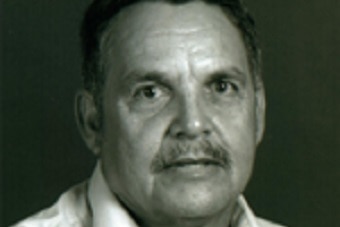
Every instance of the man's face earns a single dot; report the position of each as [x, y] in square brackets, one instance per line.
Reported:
[180, 124]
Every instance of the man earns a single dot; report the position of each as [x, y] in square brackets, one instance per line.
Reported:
[173, 107]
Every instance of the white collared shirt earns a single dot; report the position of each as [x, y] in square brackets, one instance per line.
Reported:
[91, 204]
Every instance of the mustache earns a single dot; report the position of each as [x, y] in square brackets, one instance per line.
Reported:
[173, 151]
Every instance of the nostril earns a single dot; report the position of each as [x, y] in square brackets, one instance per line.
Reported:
[206, 132]
[180, 135]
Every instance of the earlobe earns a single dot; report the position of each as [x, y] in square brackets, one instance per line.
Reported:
[87, 118]
[260, 113]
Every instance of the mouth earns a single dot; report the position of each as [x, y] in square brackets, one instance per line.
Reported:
[189, 169]
[187, 162]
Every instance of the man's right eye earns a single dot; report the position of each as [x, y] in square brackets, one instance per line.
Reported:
[146, 96]
[148, 92]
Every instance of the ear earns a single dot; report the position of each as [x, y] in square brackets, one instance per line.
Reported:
[260, 113]
[87, 118]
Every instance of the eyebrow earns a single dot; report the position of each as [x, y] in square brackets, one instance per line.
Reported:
[163, 79]
[230, 73]
[155, 76]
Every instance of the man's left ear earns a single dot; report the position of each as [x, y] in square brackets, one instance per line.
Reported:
[260, 105]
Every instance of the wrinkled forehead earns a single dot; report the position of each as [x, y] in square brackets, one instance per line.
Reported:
[148, 26]
[179, 17]
[146, 18]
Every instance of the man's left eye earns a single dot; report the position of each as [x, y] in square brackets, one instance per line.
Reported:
[223, 86]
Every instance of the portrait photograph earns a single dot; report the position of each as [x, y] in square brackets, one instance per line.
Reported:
[170, 113]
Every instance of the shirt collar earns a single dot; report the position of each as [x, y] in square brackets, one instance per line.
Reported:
[108, 212]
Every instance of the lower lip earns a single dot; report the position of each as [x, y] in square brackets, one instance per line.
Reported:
[194, 171]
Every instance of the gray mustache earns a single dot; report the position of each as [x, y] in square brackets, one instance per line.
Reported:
[172, 151]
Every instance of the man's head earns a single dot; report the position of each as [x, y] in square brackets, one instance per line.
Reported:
[101, 12]
[174, 106]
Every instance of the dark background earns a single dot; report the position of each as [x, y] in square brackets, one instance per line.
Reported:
[296, 178]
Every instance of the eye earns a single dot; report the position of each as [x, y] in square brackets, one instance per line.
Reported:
[147, 96]
[148, 92]
[223, 86]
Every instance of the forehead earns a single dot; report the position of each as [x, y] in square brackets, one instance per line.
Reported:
[159, 31]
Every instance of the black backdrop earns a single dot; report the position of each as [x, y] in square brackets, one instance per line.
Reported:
[296, 178]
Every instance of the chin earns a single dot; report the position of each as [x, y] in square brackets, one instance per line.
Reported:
[195, 200]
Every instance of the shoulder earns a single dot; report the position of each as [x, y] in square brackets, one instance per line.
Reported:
[70, 210]
[265, 223]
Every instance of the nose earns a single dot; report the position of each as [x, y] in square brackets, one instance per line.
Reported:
[190, 120]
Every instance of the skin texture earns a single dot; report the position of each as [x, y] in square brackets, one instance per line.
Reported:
[181, 118]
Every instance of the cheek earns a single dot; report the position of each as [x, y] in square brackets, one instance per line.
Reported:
[137, 139]
[235, 123]
[235, 126]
